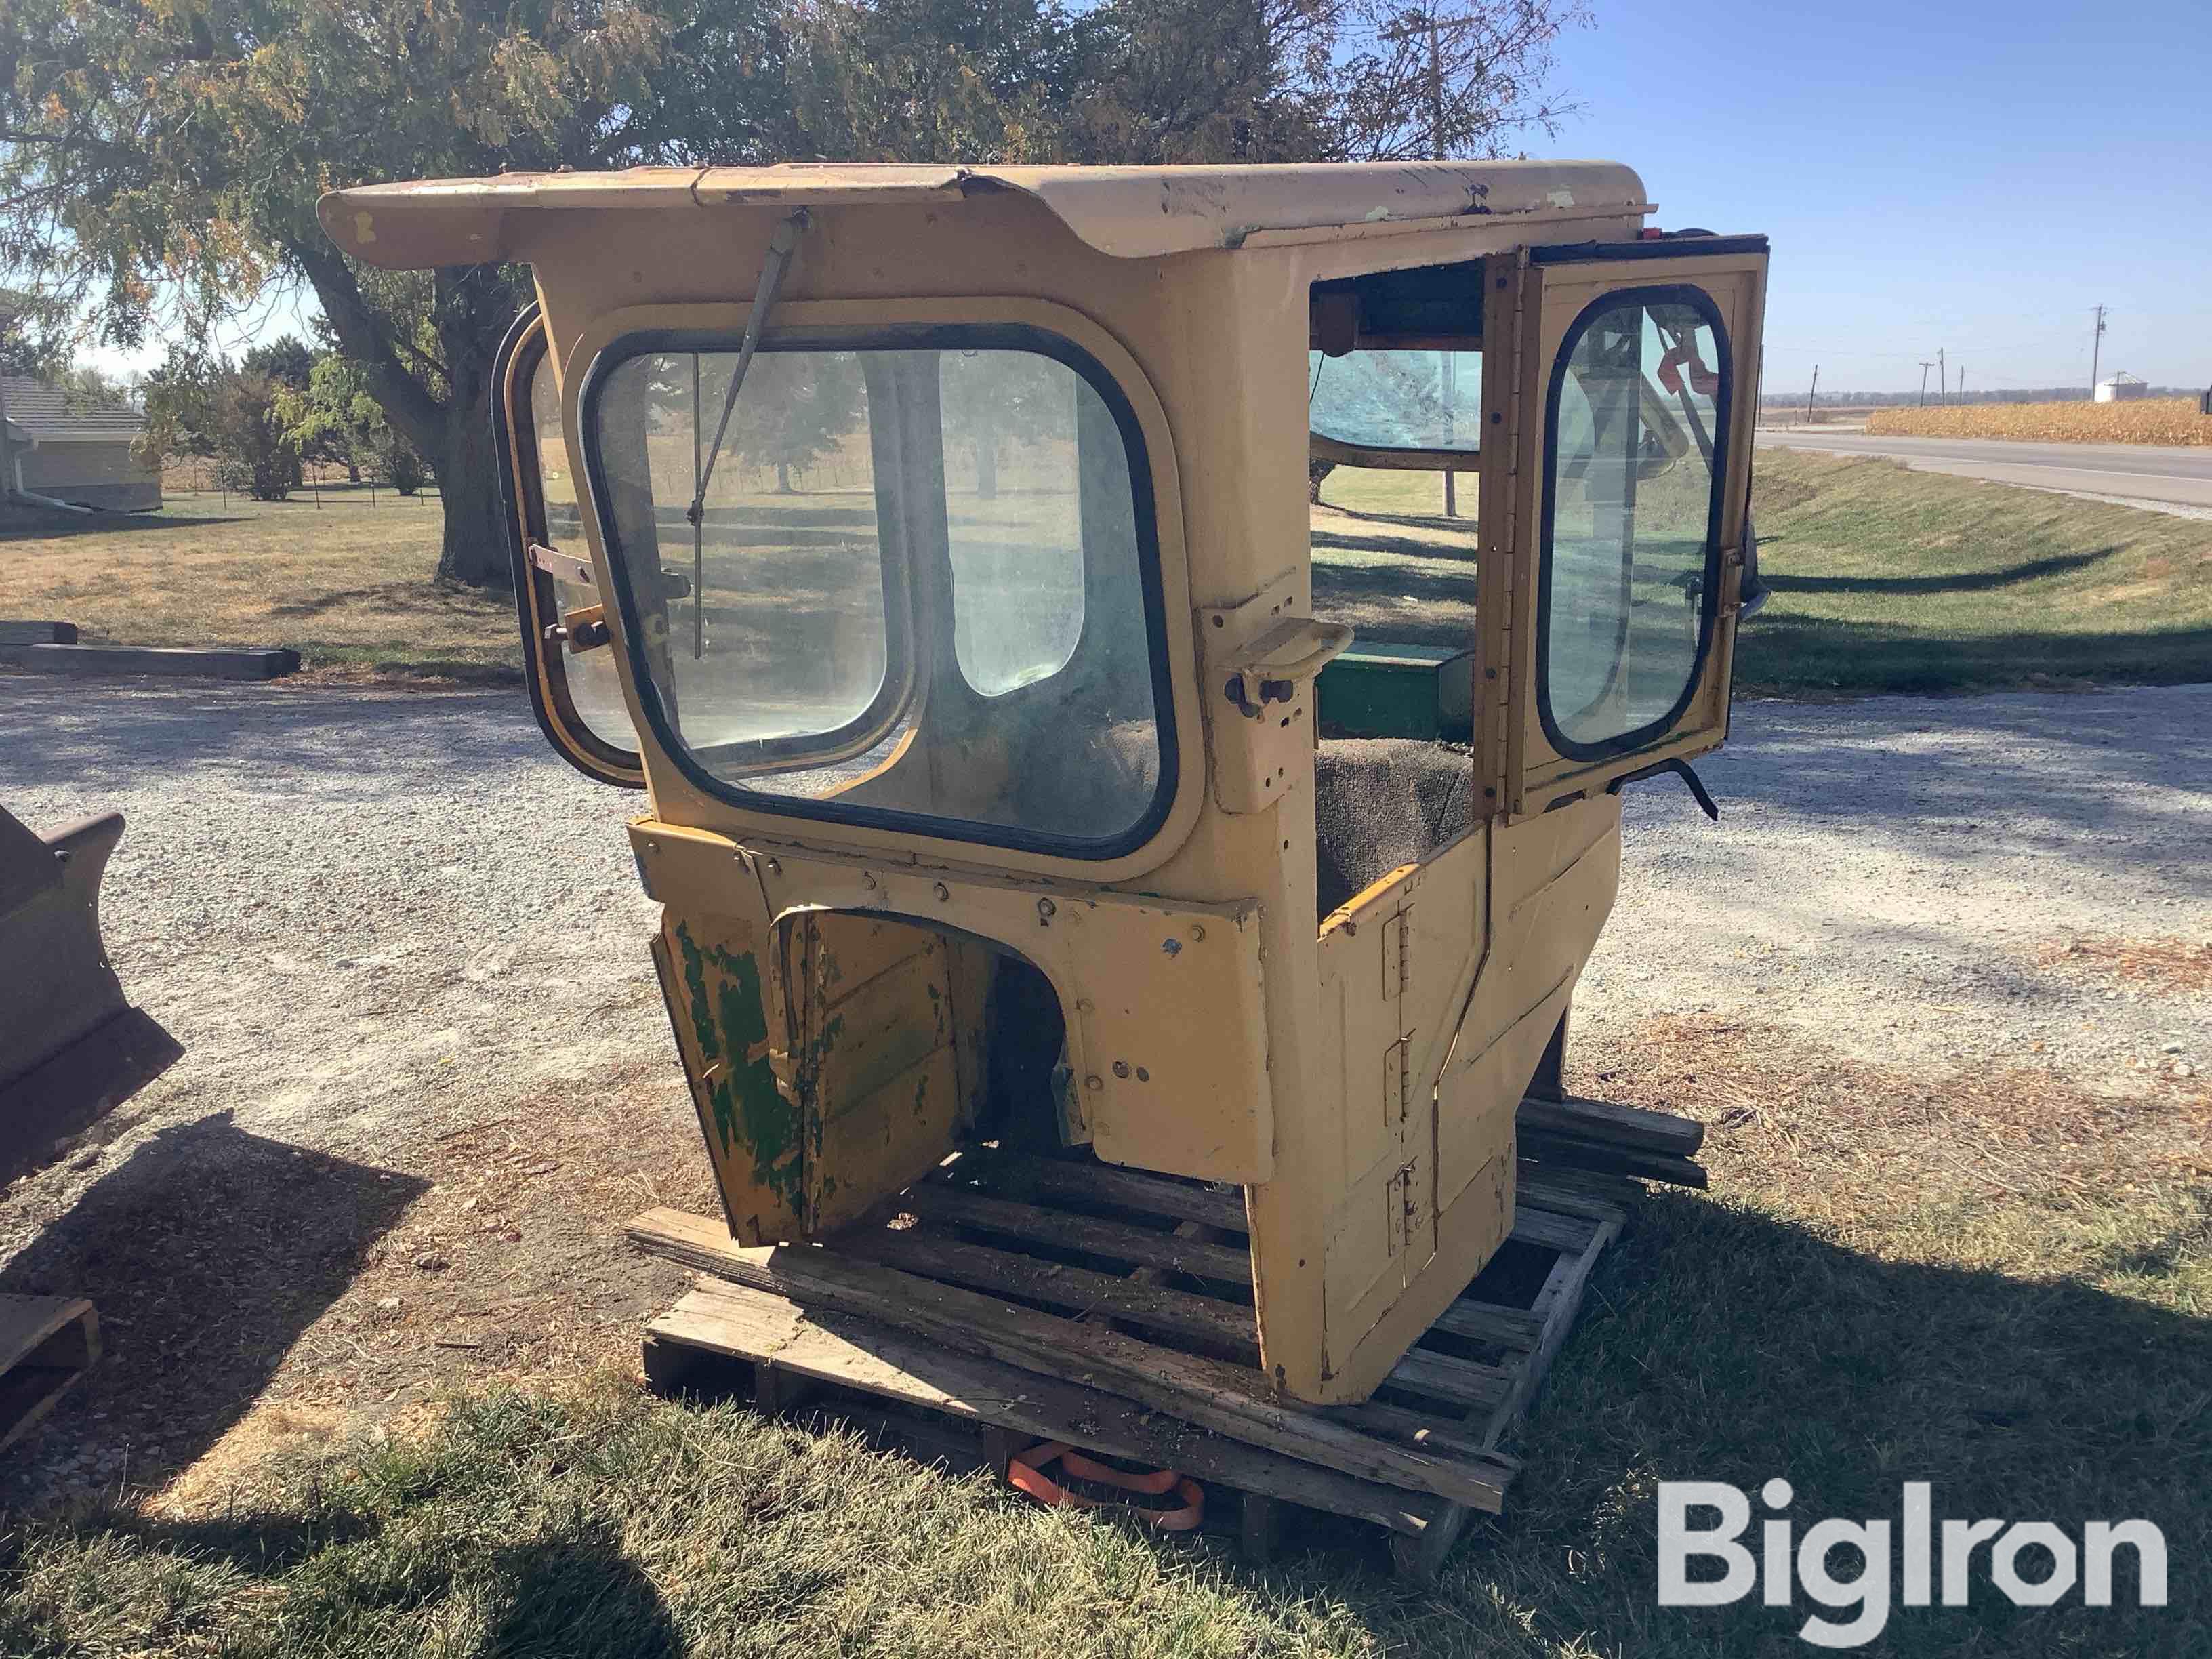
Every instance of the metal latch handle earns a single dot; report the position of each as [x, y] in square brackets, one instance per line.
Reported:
[1269, 668]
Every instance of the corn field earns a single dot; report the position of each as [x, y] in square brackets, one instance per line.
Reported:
[2144, 421]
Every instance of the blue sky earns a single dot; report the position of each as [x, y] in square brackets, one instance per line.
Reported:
[1968, 174]
[1973, 175]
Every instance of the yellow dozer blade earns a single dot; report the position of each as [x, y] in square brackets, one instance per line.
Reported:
[72, 1047]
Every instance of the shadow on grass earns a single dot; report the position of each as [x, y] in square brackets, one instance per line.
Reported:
[350, 1573]
[1779, 652]
[207, 1252]
[17, 526]
[1963, 581]
[1720, 1344]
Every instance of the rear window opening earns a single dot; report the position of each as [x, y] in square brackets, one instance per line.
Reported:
[921, 590]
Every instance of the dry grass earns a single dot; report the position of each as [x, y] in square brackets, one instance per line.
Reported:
[2141, 421]
[351, 585]
[2171, 966]
[1869, 1149]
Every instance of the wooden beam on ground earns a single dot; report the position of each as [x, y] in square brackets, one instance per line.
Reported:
[1574, 1153]
[104, 660]
[1230, 1399]
[38, 633]
[1602, 1120]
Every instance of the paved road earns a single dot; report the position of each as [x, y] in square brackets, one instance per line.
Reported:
[2169, 479]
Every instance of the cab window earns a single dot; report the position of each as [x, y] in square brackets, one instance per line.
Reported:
[923, 587]
[1637, 412]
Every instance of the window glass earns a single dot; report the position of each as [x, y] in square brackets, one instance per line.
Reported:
[1394, 547]
[914, 586]
[593, 688]
[1398, 399]
[1013, 515]
[1630, 519]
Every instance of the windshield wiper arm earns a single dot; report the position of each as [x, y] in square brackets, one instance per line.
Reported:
[780, 246]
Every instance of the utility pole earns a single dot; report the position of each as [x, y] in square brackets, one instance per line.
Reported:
[1808, 396]
[2096, 349]
[1962, 383]
[1942, 379]
[1924, 367]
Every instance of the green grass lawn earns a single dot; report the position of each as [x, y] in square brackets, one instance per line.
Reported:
[1885, 579]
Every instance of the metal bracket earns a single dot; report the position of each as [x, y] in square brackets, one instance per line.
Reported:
[1260, 659]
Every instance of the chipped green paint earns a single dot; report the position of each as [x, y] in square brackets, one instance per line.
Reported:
[729, 1022]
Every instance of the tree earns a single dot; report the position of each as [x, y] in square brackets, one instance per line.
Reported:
[796, 407]
[162, 160]
[336, 418]
[202, 405]
[155, 154]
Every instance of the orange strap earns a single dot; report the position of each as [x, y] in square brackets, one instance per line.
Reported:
[1026, 1470]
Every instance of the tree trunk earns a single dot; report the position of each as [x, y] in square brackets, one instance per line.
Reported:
[783, 478]
[987, 465]
[474, 551]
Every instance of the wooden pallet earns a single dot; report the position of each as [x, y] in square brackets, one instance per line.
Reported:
[46, 1343]
[1029, 1297]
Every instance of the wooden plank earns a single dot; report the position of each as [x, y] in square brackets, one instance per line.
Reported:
[1552, 1231]
[1603, 1120]
[92, 660]
[1555, 1187]
[858, 1353]
[1462, 1383]
[1579, 1154]
[38, 633]
[1487, 1322]
[1230, 1399]
[1556, 1303]
[1560, 1191]
[1079, 1289]
[1429, 1432]
[1119, 1240]
[1018, 1175]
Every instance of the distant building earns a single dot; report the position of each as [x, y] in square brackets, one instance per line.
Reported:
[2120, 388]
[60, 446]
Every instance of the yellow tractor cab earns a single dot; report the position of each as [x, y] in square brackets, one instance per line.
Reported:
[1029, 762]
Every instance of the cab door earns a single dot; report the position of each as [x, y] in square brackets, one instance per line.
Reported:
[567, 656]
[1624, 516]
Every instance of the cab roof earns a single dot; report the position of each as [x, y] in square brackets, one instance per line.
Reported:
[1127, 212]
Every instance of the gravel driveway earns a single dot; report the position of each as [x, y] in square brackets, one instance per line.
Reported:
[404, 947]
